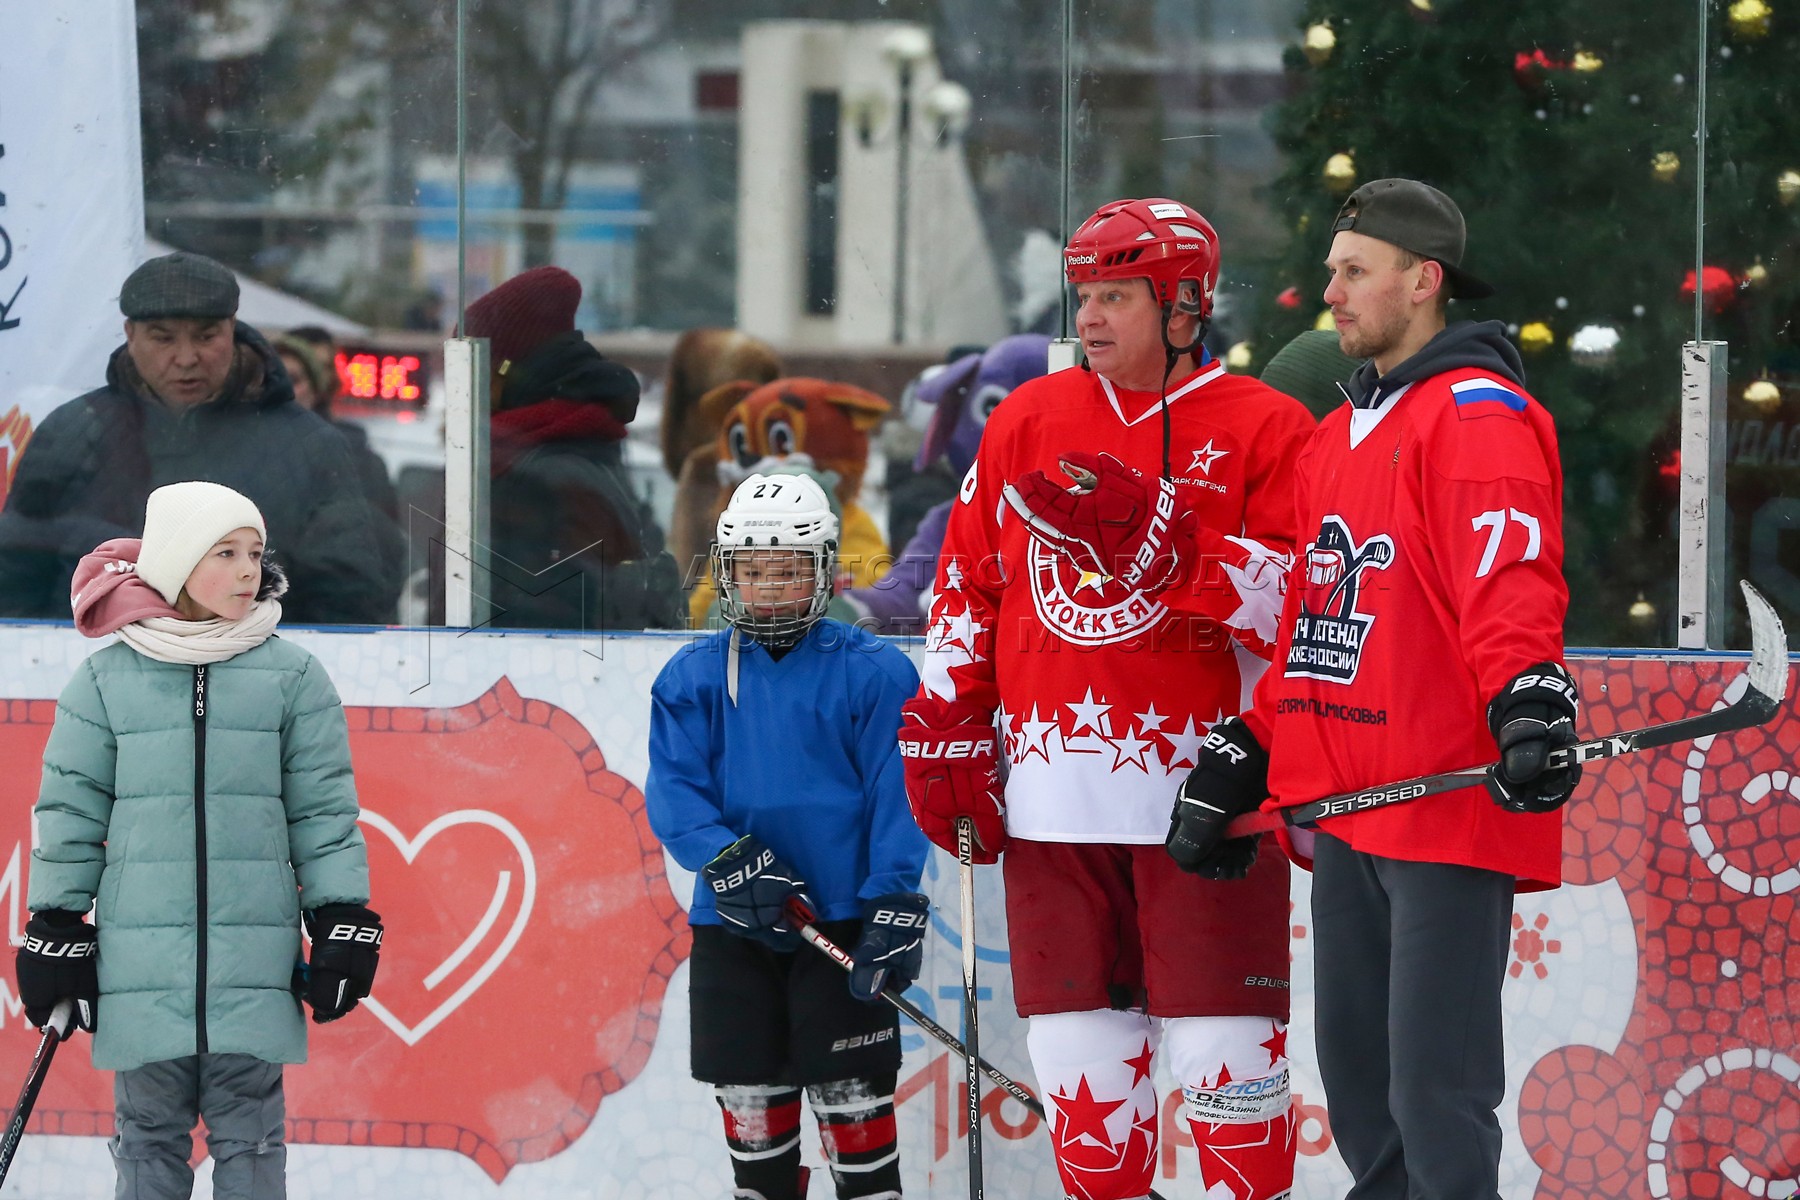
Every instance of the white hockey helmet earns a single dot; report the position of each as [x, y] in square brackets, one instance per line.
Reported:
[777, 512]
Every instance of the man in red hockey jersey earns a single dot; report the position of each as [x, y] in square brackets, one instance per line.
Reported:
[1423, 630]
[1102, 695]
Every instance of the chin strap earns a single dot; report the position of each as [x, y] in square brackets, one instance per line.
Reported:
[1172, 355]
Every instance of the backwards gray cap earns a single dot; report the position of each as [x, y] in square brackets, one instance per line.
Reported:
[179, 285]
[1417, 217]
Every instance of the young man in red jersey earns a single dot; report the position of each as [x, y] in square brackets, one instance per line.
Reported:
[1102, 695]
[1423, 631]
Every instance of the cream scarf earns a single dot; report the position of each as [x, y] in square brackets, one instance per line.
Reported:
[169, 640]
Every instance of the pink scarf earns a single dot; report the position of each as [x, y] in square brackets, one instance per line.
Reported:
[107, 593]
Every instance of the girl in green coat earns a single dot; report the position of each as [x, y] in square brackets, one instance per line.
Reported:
[197, 794]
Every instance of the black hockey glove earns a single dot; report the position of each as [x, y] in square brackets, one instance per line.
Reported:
[1533, 715]
[751, 889]
[892, 949]
[59, 960]
[346, 948]
[1232, 778]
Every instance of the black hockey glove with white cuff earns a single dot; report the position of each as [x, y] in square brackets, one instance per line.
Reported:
[346, 948]
[1533, 715]
[892, 949]
[751, 889]
[1232, 778]
[59, 960]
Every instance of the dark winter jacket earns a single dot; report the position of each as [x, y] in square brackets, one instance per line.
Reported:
[572, 545]
[90, 467]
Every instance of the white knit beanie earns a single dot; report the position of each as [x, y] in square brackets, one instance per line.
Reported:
[181, 523]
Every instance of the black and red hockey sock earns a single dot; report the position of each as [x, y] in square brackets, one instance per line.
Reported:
[856, 1126]
[762, 1131]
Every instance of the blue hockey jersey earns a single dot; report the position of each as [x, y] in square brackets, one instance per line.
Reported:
[807, 760]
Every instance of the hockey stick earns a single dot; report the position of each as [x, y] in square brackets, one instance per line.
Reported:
[840, 956]
[965, 869]
[54, 1033]
[1766, 688]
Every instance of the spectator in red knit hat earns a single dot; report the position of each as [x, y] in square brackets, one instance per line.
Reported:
[573, 547]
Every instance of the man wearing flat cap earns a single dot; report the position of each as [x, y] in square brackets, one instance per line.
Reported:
[1422, 633]
[193, 394]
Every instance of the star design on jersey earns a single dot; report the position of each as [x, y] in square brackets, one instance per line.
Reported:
[1205, 457]
[1081, 1116]
[1140, 1063]
[1151, 721]
[1129, 749]
[1277, 1043]
[1034, 737]
[954, 634]
[1091, 714]
[1184, 747]
[1004, 720]
[953, 576]
[1092, 579]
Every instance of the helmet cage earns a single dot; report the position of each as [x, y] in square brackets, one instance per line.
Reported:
[789, 623]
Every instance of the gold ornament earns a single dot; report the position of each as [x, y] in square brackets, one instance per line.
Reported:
[1237, 359]
[1787, 186]
[1749, 19]
[1536, 337]
[1326, 322]
[1665, 166]
[1340, 174]
[1586, 62]
[1421, 7]
[1642, 610]
[1762, 394]
[1301, 225]
[1320, 41]
[1755, 275]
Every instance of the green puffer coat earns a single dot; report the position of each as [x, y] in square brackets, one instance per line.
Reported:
[120, 819]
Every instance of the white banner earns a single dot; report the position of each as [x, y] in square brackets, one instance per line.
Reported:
[71, 203]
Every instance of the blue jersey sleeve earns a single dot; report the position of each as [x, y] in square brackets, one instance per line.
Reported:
[897, 849]
[682, 796]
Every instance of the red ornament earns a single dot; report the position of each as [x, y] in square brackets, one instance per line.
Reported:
[1532, 67]
[1718, 286]
[1289, 297]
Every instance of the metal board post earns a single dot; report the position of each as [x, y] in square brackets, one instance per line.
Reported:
[466, 483]
[1700, 571]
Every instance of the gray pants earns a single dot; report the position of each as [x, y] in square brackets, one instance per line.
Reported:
[240, 1099]
[1409, 959]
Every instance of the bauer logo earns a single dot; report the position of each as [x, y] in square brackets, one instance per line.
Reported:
[1330, 629]
[863, 1039]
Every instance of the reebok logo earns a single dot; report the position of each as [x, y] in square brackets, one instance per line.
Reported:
[1082, 260]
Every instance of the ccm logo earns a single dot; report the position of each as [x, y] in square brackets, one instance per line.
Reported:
[744, 874]
[367, 935]
[38, 945]
[900, 920]
[966, 748]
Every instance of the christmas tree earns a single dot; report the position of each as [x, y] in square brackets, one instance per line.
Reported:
[1566, 134]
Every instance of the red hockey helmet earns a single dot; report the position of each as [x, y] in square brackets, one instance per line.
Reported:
[1161, 240]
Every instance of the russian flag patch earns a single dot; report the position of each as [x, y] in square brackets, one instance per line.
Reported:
[1483, 396]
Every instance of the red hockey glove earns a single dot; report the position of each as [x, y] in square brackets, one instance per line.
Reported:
[952, 761]
[1113, 522]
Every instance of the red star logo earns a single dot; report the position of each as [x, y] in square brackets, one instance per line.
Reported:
[1277, 1043]
[1081, 1115]
[1224, 1076]
[1140, 1065]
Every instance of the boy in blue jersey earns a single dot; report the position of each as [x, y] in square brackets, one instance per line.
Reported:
[774, 774]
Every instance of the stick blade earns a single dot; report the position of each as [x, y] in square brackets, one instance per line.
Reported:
[1768, 651]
